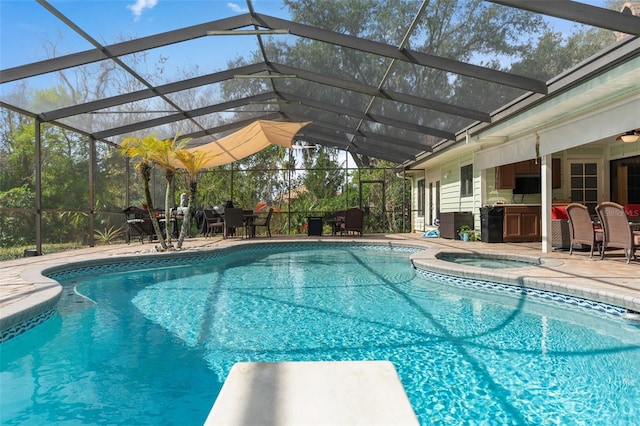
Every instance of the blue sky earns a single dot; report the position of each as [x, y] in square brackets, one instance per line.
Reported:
[24, 24]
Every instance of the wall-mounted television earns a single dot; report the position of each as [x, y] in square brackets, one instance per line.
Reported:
[527, 185]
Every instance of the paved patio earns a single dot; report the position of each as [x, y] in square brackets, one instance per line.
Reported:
[611, 281]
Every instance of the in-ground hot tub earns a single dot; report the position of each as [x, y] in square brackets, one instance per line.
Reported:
[488, 261]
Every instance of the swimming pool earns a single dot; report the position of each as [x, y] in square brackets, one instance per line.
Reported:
[151, 342]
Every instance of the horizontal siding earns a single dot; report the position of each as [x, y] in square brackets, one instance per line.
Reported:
[450, 193]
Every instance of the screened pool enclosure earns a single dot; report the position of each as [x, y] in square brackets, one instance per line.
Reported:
[383, 83]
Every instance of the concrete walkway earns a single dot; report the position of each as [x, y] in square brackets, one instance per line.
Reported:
[24, 292]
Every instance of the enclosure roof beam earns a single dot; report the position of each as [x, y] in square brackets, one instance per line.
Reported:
[140, 95]
[327, 140]
[395, 142]
[201, 30]
[389, 95]
[181, 116]
[405, 55]
[342, 110]
[121, 49]
[374, 139]
[365, 143]
[579, 12]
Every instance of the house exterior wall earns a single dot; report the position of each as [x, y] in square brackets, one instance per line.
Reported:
[449, 176]
[624, 150]
[450, 199]
[506, 196]
[579, 124]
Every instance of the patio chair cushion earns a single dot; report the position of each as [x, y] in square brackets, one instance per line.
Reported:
[559, 212]
[560, 232]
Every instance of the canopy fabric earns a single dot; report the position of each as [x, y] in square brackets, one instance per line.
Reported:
[249, 140]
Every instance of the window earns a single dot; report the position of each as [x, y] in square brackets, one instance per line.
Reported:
[584, 184]
[466, 180]
[421, 200]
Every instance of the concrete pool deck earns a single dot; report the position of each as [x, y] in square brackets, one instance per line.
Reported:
[25, 293]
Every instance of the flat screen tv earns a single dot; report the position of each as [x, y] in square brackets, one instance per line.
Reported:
[527, 185]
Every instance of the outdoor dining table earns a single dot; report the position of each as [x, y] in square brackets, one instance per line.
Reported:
[248, 216]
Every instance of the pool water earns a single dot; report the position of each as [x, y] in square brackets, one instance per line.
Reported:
[154, 346]
[486, 261]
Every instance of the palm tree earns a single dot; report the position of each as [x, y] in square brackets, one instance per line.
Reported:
[165, 156]
[193, 163]
[142, 149]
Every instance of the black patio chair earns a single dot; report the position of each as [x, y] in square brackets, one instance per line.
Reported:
[213, 221]
[138, 224]
[262, 221]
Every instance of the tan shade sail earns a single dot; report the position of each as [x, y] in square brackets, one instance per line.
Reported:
[249, 140]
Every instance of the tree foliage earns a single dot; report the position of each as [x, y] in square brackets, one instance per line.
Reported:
[143, 151]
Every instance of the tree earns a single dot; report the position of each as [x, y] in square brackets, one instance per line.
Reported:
[324, 176]
[193, 163]
[554, 54]
[143, 150]
[164, 155]
[382, 212]
[13, 231]
[259, 178]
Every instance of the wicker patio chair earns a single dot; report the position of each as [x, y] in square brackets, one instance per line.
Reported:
[560, 232]
[353, 221]
[617, 230]
[582, 229]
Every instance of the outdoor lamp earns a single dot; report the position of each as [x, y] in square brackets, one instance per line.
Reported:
[630, 136]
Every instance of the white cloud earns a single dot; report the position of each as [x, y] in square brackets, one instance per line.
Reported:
[237, 8]
[140, 5]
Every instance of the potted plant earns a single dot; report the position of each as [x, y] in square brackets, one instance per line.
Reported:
[465, 232]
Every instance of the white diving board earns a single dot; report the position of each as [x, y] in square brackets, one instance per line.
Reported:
[312, 393]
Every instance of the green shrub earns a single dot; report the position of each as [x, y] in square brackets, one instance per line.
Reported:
[8, 253]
